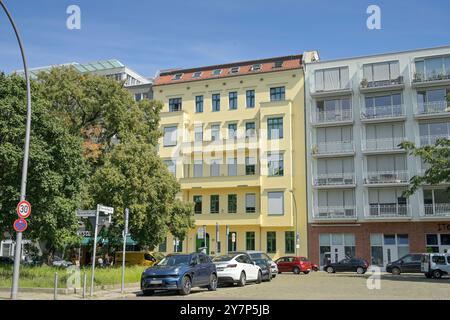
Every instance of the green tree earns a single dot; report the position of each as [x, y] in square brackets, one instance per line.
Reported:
[57, 169]
[181, 219]
[437, 159]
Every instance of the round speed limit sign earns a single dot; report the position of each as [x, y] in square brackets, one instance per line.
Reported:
[24, 209]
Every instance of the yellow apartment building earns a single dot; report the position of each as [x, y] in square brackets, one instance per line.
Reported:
[234, 137]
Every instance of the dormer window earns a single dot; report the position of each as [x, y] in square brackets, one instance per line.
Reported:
[256, 67]
[277, 64]
[177, 76]
[216, 72]
[234, 70]
[197, 74]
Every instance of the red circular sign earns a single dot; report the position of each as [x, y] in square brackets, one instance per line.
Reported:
[24, 209]
[20, 225]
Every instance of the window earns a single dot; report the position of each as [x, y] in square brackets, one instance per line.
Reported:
[277, 64]
[215, 132]
[275, 128]
[385, 73]
[250, 240]
[177, 76]
[232, 203]
[431, 69]
[177, 245]
[232, 131]
[250, 129]
[217, 72]
[232, 100]
[250, 166]
[198, 133]
[256, 67]
[198, 168]
[174, 104]
[170, 136]
[197, 74]
[198, 204]
[271, 242]
[334, 110]
[171, 166]
[216, 102]
[275, 163]
[232, 167]
[163, 245]
[250, 97]
[214, 205]
[275, 203]
[383, 106]
[199, 104]
[289, 241]
[137, 96]
[332, 79]
[215, 168]
[277, 94]
[250, 203]
[234, 70]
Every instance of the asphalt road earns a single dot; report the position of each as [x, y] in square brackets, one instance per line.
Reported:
[320, 285]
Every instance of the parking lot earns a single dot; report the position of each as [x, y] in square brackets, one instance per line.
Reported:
[320, 285]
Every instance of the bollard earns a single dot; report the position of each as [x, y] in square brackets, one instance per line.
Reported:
[55, 293]
[84, 286]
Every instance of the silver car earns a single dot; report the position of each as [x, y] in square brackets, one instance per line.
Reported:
[261, 255]
[435, 265]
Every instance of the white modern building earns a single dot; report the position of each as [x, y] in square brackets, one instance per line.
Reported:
[358, 110]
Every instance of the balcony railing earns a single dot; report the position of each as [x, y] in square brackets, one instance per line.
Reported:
[431, 140]
[382, 83]
[333, 116]
[387, 211]
[335, 213]
[386, 177]
[386, 144]
[335, 179]
[420, 77]
[383, 112]
[333, 147]
[433, 107]
[437, 209]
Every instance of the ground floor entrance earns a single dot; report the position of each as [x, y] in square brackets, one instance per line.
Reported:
[377, 242]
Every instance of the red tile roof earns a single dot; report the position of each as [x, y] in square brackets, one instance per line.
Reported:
[245, 68]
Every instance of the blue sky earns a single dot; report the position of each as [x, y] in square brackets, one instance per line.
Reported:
[149, 35]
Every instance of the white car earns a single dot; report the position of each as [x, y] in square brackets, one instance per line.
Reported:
[237, 268]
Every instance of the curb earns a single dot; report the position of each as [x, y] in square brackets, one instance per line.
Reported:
[67, 291]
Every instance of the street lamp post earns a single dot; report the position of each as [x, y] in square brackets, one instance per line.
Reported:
[296, 224]
[23, 186]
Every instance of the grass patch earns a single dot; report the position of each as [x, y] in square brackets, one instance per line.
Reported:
[44, 276]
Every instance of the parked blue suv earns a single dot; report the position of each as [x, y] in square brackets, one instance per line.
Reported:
[180, 272]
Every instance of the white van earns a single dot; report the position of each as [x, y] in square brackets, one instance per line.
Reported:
[435, 265]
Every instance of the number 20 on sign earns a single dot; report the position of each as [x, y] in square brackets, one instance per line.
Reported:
[24, 209]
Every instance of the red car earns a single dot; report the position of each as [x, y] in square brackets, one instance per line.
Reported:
[294, 264]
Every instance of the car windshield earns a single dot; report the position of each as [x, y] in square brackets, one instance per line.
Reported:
[260, 261]
[175, 260]
[226, 257]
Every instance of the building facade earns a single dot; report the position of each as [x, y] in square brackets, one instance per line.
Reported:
[233, 135]
[358, 110]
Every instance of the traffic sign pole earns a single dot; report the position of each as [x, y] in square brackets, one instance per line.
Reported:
[94, 251]
[125, 232]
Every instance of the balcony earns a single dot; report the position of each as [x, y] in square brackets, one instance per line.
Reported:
[335, 180]
[421, 80]
[340, 213]
[383, 113]
[333, 149]
[381, 85]
[387, 211]
[431, 140]
[333, 117]
[386, 178]
[437, 210]
[220, 145]
[385, 145]
[433, 109]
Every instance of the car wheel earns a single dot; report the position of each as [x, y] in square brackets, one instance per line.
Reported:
[186, 286]
[437, 274]
[274, 275]
[242, 280]
[148, 292]
[396, 271]
[259, 279]
[360, 270]
[305, 272]
[330, 269]
[296, 270]
[428, 276]
[213, 283]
